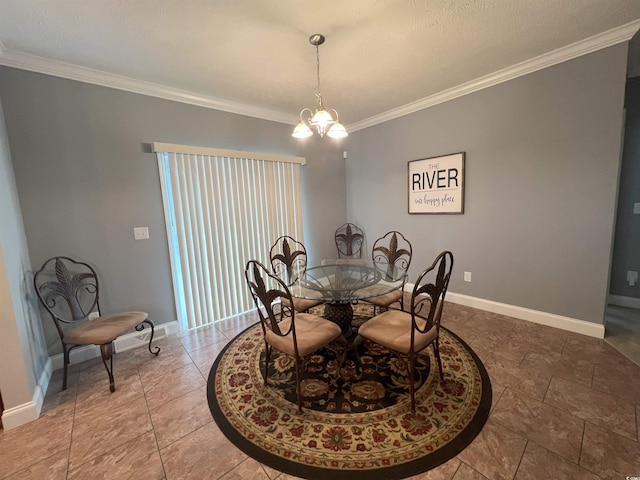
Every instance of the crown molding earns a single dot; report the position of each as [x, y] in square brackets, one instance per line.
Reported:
[34, 63]
[575, 50]
[70, 71]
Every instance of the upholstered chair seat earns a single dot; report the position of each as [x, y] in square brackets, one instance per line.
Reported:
[392, 329]
[312, 332]
[386, 299]
[104, 329]
[303, 304]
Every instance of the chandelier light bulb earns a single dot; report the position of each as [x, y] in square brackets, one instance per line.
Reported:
[302, 130]
[337, 130]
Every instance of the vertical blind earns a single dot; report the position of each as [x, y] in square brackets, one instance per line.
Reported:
[222, 209]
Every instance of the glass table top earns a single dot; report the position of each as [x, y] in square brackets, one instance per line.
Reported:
[342, 280]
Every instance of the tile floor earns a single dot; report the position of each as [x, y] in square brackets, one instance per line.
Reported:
[622, 326]
[565, 406]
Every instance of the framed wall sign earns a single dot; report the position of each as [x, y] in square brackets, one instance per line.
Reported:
[436, 185]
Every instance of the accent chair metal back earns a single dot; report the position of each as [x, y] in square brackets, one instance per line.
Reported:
[68, 290]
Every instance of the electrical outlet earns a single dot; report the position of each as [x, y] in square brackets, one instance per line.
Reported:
[93, 315]
[141, 233]
[467, 276]
[636, 208]
[632, 278]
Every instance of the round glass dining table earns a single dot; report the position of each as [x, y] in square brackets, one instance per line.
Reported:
[340, 282]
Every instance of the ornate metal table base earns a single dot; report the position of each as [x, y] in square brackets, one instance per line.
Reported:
[341, 314]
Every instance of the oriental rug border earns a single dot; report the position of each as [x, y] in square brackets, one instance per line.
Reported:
[387, 443]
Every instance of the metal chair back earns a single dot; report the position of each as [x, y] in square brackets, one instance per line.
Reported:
[427, 298]
[392, 249]
[349, 238]
[288, 259]
[68, 290]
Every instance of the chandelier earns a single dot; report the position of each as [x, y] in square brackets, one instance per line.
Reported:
[322, 120]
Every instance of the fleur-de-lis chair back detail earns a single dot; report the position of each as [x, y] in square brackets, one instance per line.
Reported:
[289, 262]
[70, 293]
[349, 239]
[389, 251]
[292, 333]
[288, 256]
[408, 333]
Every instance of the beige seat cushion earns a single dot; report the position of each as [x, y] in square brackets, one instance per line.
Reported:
[386, 299]
[312, 333]
[104, 329]
[302, 304]
[392, 329]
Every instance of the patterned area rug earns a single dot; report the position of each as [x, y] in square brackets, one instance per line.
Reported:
[356, 421]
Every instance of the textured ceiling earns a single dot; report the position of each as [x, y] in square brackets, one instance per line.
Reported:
[379, 55]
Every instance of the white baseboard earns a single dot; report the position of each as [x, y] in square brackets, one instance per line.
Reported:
[45, 376]
[141, 338]
[123, 343]
[543, 318]
[30, 411]
[629, 302]
[25, 413]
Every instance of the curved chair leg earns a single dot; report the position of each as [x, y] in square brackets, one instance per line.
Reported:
[436, 350]
[267, 359]
[140, 327]
[410, 370]
[106, 350]
[298, 385]
[66, 366]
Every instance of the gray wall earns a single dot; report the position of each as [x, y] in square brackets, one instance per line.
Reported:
[542, 161]
[22, 349]
[626, 253]
[85, 178]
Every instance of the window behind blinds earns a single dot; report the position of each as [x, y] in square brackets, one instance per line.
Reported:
[222, 209]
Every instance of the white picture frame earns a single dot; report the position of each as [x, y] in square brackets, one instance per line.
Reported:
[436, 184]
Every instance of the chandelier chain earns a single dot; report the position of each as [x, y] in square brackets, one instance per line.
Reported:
[317, 92]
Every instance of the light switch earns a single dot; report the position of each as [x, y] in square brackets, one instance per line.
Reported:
[141, 233]
[636, 208]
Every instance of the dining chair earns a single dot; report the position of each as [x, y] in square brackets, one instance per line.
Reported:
[349, 238]
[69, 291]
[289, 261]
[408, 333]
[389, 251]
[295, 334]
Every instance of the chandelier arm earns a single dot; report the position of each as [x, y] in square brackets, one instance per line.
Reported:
[310, 115]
